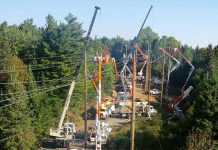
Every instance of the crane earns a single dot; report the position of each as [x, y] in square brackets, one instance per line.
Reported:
[191, 70]
[65, 132]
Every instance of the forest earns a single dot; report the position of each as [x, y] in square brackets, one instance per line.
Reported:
[36, 69]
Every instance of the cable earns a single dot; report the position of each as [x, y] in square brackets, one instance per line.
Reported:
[39, 65]
[26, 92]
[38, 89]
[1, 140]
[55, 88]
[37, 58]
[39, 81]
[55, 66]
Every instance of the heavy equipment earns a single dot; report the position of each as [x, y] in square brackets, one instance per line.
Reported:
[65, 132]
[177, 62]
[122, 75]
[191, 70]
[177, 112]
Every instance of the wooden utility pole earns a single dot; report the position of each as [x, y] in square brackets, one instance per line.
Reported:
[126, 57]
[85, 100]
[147, 71]
[162, 85]
[133, 102]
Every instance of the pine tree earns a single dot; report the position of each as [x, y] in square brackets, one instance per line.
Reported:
[16, 131]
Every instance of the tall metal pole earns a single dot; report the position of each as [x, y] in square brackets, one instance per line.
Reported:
[85, 100]
[133, 101]
[162, 84]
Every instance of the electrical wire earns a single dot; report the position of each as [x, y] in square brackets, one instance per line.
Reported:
[26, 92]
[52, 89]
[7, 138]
[38, 89]
[39, 81]
[38, 65]
[38, 58]
[55, 66]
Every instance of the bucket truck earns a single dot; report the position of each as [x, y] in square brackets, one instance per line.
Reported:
[145, 57]
[191, 70]
[177, 62]
[174, 103]
[64, 133]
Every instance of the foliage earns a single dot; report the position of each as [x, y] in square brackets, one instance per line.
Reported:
[199, 140]
[16, 131]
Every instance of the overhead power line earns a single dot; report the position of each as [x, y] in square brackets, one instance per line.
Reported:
[52, 89]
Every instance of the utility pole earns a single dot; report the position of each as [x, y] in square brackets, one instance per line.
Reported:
[147, 71]
[162, 84]
[133, 101]
[126, 57]
[98, 134]
[85, 100]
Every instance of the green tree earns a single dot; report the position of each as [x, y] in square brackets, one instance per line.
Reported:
[16, 131]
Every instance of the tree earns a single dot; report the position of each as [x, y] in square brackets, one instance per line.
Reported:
[16, 131]
[199, 141]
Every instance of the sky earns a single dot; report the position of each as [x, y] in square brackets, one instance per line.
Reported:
[192, 22]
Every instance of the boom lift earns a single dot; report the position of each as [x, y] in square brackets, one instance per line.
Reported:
[66, 132]
[191, 70]
[122, 76]
[145, 57]
[177, 62]
[174, 103]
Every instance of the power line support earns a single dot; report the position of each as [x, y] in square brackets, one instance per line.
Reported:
[98, 134]
[85, 101]
[162, 84]
[133, 101]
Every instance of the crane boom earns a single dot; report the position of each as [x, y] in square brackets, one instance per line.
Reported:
[144, 23]
[175, 103]
[191, 70]
[75, 74]
[177, 62]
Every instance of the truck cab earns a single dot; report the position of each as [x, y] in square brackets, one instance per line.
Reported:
[148, 110]
[104, 113]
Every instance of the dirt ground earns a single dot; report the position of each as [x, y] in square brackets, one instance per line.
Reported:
[140, 94]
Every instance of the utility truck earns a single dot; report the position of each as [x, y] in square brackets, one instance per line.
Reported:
[146, 110]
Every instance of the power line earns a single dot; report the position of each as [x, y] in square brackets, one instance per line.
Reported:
[39, 65]
[38, 58]
[52, 89]
[38, 89]
[54, 66]
[37, 81]
[1, 140]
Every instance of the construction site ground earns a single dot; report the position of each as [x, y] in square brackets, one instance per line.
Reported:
[117, 119]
